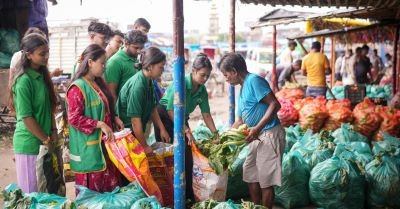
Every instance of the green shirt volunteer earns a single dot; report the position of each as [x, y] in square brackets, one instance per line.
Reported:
[200, 97]
[120, 67]
[31, 99]
[136, 100]
[85, 150]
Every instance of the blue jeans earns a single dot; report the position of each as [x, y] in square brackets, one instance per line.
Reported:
[313, 91]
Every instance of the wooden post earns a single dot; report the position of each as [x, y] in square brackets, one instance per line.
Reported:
[333, 60]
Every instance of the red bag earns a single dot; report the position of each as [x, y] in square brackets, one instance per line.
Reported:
[390, 122]
[288, 115]
[366, 120]
[339, 112]
[313, 114]
[294, 93]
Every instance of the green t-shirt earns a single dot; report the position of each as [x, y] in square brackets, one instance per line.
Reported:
[120, 67]
[200, 97]
[31, 99]
[136, 100]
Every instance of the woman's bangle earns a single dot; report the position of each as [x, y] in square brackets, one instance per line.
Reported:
[46, 142]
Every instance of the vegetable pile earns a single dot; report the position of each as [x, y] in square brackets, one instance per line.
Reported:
[222, 154]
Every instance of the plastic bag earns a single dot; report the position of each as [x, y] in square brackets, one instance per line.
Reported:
[336, 183]
[9, 41]
[390, 122]
[206, 183]
[14, 198]
[313, 114]
[128, 156]
[295, 175]
[390, 146]
[383, 177]
[147, 203]
[338, 91]
[49, 176]
[288, 115]
[290, 93]
[293, 134]
[45, 201]
[119, 198]
[357, 152]
[162, 169]
[339, 112]
[366, 120]
[323, 152]
[346, 134]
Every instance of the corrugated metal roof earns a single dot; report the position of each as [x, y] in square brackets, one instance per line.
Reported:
[374, 9]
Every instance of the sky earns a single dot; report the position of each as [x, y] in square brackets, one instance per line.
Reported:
[158, 13]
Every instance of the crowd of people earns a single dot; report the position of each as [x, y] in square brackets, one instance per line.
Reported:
[114, 86]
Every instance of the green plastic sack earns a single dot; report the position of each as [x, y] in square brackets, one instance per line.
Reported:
[315, 148]
[293, 135]
[5, 60]
[389, 146]
[323, 152]
[14, 198]
[147, 203]
[338, 91]
[202, 132]
[356, 152]
[237, 188]
[119, 198]
[9, 41]
[383, 177]
[45, 201]
[227, 205]
[295, 175]
[346, 134]
[336, 183]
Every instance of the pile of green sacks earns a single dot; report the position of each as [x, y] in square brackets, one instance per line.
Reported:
[9, 44]
[128, 197]
[383, 174]
[14, 198]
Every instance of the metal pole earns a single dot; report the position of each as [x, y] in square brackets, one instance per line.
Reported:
[333, 60]
[395, 64]
[232, 47]
[179, 106]
[273, 77]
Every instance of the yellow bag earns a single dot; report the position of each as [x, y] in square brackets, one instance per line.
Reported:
[129, 157]
[162, 169]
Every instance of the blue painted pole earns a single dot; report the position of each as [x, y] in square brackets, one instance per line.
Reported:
[232, 47]
[179, 107]
[231, 105]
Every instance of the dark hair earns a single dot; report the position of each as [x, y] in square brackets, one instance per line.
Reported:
[201, 61]
[297, 62]
[388, 55]
[292, 42]
[94, 52]
[316, 45]
[375, 50]
[150, 56]
[365, 47]
[34, 30]
[233, 62]
[135, 37]
[29, 44]
[118, 33]
[98, 27]
[358, 50]
[142, 22]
